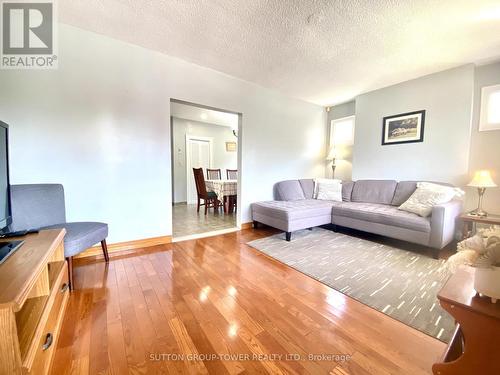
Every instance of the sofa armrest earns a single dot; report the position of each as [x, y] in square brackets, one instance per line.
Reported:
[443, 222]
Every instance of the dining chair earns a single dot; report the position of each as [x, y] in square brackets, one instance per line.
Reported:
[213, 174]
[232, 174]
[209, 197]
[231, 203]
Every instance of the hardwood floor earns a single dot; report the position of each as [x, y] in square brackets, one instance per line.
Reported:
[186, 221]
[217, 296]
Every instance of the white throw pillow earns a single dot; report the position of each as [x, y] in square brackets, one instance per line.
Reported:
[318, 181]
[428, 195]
[328, 189]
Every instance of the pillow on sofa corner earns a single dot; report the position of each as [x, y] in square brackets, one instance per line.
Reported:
[328, 189]
[428, 195]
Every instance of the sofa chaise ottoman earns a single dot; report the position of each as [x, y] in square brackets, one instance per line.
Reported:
[367, 205]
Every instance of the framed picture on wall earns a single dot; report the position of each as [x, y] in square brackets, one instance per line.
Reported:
[403, 128]
[231, 147]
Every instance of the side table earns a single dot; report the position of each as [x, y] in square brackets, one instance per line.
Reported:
[474, 347]
[470, 221]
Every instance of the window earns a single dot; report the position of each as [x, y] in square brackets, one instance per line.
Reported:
[490, 108]
[342, 132]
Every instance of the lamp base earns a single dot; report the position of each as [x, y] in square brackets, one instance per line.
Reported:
[479, 210]
[478, 213]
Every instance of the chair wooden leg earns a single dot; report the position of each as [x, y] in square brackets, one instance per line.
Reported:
[104, 246]
[70, 272]
[198, 207]
[206, 206]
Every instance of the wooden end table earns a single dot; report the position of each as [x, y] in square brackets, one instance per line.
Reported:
[475, 346]
[470, 221]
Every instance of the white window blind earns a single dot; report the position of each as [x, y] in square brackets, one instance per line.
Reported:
[490, 108]
[342, 131]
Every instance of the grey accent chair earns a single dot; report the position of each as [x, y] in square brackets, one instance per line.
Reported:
[41, 206]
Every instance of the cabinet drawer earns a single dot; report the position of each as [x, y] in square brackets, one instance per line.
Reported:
[48, 340]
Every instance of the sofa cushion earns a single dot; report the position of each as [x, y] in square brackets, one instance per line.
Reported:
[347, 187]
[293, 210]
[403, 191]
[81, 235]
[307, 185]
[373, 191]
[290, 190]
[382, 214]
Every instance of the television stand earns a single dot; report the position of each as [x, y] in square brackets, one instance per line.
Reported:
[7, 248]
[18, 233]
[34, 290]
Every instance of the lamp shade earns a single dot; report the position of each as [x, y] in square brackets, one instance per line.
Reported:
[482, 179]
[331, 154]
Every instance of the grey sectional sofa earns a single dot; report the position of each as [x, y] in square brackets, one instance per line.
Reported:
[367, 205]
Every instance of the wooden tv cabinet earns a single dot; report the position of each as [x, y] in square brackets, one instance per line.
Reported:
[34, 291]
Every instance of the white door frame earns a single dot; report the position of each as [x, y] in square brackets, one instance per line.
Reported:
[189, 170]
[241, 172]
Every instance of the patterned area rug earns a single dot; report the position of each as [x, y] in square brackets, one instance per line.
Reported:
[396, 282]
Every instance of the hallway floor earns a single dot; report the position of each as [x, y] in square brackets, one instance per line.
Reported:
[186, 221]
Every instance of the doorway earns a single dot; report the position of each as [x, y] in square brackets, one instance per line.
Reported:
[205, 170]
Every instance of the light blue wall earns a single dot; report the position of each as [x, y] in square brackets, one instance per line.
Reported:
[342, 110]
[453, 147]
[485, 146]
[443, 155]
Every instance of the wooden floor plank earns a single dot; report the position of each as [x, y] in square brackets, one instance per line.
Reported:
[187, 346]
[144, 313]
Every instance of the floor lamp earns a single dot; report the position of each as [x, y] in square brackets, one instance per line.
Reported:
[332, 156]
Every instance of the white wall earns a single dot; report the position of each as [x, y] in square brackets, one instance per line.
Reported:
[100, 125]
[444, 153]
[221, 158]
[485, 146]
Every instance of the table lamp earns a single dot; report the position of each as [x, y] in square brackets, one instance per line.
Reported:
[481, 180]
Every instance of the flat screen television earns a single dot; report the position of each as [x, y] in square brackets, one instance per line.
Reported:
[5, 207]
[6, 247]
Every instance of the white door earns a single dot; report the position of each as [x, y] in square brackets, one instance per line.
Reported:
[199, 155]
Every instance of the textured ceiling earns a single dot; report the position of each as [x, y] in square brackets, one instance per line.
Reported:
[324, 51]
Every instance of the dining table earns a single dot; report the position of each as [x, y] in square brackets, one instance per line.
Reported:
[226, 191]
